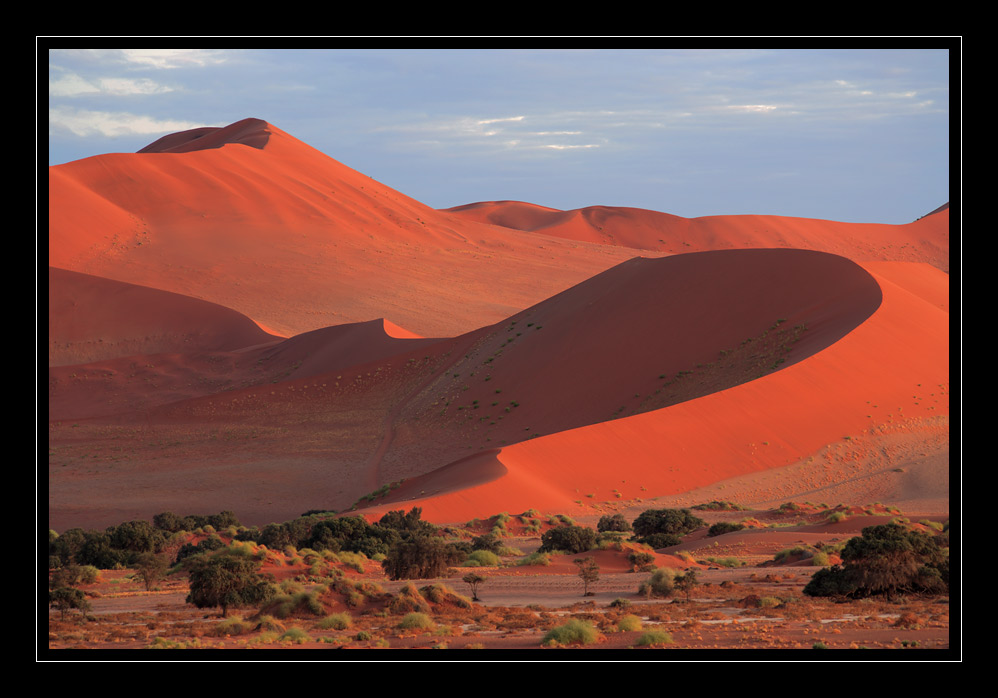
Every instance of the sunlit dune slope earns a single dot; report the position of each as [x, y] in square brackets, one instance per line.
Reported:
[91, 319]
[871, 381]
[924, 240]
[635, 340]
[253, 219]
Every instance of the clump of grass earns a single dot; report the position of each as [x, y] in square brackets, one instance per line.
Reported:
[653, 638]
[416, 621]
[296, 635]
[481, 558]
[336, 621]
[535, 559]
[408, 600]
[629, 623]
[300, 603]
[574, 632]
[233, 625]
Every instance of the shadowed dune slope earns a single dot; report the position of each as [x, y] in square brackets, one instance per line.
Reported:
[644, 335]
[251, 218]
[924, 240]
[91, 319]
[868, 382]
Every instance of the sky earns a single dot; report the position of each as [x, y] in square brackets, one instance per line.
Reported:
[848, 134]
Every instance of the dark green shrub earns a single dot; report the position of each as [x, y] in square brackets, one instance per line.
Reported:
[168, 521]
[722, 527]
[207, 545]
[887, 559]
[65, 599]
[571, 539]
[614, 522]
[489, 541]
[676, 522]
[419, 557]
[641, 561]
[660, 540]
[224, 580]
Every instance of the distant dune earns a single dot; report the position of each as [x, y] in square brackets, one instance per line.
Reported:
[91, 319]
[237, 321]
[924, 240]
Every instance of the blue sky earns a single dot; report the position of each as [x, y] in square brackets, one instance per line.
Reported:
[849, 134]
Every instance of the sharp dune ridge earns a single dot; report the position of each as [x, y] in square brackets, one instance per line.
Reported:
[238, 321]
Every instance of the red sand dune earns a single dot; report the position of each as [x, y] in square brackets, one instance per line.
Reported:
[570, 371]
[91, 319]
[262, 223]
[868, 379]
[924, 240]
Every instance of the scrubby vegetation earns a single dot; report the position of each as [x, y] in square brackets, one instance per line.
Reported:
[295, 595]
[574, 632]
[886, 560]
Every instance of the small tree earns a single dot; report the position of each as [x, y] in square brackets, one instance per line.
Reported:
[686, 582]
[588, 572]
[65, 599]
[473, 580]
[150, 568]
[225, 580]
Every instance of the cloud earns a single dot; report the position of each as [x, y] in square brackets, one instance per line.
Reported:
[165, 58]
[83, 123]
[72, 85]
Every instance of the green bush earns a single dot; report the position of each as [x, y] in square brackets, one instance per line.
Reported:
[641, 561]
[653, 638]
[481, 558]
[296, 635]
[571, 539]
[660, 584]
[223, 580]
[336, 621]
[722, 527]
[614, 522]
[535, 559]
[629, 623]
[676, 522]
[886, 559]
[660, 540]
[419, 557]
[574, 632]
[416, 621]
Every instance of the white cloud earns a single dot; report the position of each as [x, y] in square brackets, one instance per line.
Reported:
[83, 123]
[173, 58]
[72, 85]
[757, 108]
